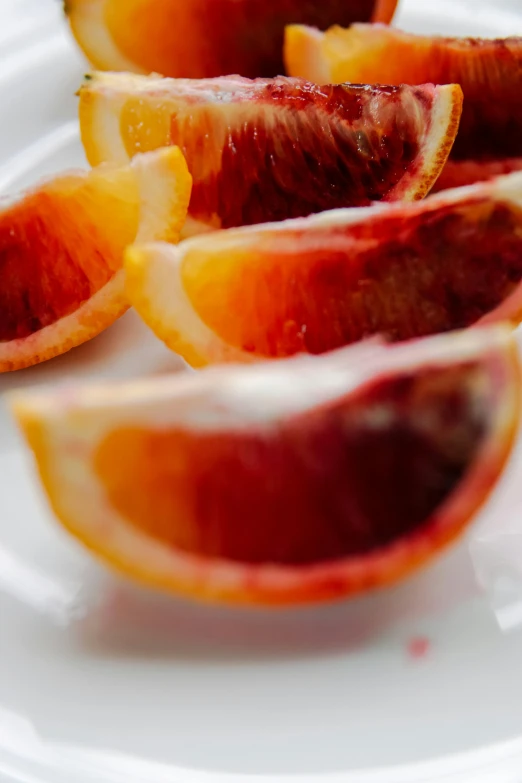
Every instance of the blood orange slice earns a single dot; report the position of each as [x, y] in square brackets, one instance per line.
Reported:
[315, 284]
[272, 149]
[459, 173]
[61, 251]
[489, 71]
[201, 38]
[296, 481]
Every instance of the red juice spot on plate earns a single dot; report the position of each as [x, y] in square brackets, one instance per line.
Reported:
[418, 647]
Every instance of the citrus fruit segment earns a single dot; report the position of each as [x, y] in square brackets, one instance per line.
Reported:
[489, 71]
[201, 38]
[271, 149]
[296, 481]
[459, 173]
[61, 251]
[318, 283]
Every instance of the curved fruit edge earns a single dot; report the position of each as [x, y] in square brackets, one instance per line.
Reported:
[163, 186]
[274, 585]
[303, 54]
[155, 268]
[100, 127]
[155, 283]
[99, 116]
[88, 321]
[342, 54]
[443, 128]
[155, 289]
[87, 22]
[384, 11]
[461, 173]
[338, 54]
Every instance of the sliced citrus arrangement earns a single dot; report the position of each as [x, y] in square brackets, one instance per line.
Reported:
[62, 244]
[271, 149]
[287, 482]
[318, 283]
[489, 71]
[201, 38]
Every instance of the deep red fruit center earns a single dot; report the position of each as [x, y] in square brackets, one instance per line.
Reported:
[300, 149]
[50, 264]
[403, 274]
[247, 37]
[343, 480]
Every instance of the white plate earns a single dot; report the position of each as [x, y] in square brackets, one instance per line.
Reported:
[102, 682]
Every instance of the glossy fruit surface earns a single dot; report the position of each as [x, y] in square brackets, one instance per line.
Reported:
[267, 150]
[61, 251]
[459, 173]
[315, 284]
[489, 71]
[201, 38]
[287, 482]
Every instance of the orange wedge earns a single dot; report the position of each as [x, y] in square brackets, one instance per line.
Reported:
[489, 141]
[269, 149]
[62, 244]
[318, 283]
[288, 482]
[198, 38]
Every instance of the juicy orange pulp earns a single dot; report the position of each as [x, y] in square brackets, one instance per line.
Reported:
[267, 150]
[177, 486]
[62, 245]
[489, 71]
[201, 38]
[327, 298]
[59, 230]
[259, 484]
[312, 285]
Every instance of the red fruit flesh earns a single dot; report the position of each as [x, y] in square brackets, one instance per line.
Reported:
[204, 38]
[489, 72]
[283, 149]
[491, 76]
[413, 436]
[51, 261]
[457, 174]
[274, 149]
[419, 270]
[247, 37]
[489, 141]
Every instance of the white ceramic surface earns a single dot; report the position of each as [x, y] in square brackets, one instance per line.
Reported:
[100, 681]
